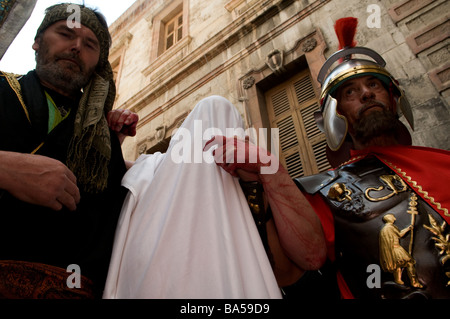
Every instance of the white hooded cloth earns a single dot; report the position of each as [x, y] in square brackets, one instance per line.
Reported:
[185, 229]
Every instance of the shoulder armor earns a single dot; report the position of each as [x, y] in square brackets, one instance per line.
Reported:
[314, 183]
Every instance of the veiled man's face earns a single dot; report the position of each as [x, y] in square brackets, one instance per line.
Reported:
[66, 57]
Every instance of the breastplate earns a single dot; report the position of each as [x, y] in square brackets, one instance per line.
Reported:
[389, 242]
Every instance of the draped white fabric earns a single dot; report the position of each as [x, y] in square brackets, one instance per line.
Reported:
[185, 230]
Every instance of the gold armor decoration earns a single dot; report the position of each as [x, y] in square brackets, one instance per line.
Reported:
[393, 257]
[339, 192]
[413, 211]
[252, 201]
[389, 180]
[253, 207]
[442, 242]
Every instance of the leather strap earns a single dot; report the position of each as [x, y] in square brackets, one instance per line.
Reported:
[254, 193]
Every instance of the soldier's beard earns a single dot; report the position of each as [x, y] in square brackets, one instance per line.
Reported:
[374, 125]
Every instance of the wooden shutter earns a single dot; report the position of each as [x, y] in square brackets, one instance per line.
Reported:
[291, 106]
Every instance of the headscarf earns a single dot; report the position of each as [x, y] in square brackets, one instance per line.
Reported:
[90, 148]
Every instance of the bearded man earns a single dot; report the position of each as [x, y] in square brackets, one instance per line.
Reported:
[379, 176]
[60, 165]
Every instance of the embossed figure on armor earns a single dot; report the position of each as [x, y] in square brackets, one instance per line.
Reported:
[380, 220]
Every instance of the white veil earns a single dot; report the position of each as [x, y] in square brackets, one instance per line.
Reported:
[185, 230]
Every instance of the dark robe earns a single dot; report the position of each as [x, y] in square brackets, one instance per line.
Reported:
[41, 235]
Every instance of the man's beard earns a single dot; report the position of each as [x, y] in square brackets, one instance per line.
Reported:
[375, 124]
[70, 80]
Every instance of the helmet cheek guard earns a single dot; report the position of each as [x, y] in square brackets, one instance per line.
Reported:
[333, 124]
[404, 108]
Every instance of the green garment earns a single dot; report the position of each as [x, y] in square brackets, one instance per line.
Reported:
[54, 114]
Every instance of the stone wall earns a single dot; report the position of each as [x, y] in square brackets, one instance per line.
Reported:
[227, 45]
[426, 28]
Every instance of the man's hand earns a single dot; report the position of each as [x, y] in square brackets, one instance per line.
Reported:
[241, 158]
[297, 228]
[123, 122]
[39, 180]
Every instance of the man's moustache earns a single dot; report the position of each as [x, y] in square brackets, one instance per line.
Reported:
[71, 57]
[371, 104]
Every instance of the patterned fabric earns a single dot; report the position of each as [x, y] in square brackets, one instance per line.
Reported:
[5, 7]
[26, 280]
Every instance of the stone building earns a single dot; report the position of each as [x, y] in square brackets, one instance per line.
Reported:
[264, 56]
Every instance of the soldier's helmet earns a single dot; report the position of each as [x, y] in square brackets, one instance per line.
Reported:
[352, 61]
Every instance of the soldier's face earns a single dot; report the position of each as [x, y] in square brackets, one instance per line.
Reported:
[361, 96]
[366, 104]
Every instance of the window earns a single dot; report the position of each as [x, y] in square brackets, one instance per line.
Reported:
[170, 37]
[115, 65]
[291, 108]
[173, 31]
[117, 55]
[170, 27]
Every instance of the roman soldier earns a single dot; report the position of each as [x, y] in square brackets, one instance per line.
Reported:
[384, 208]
